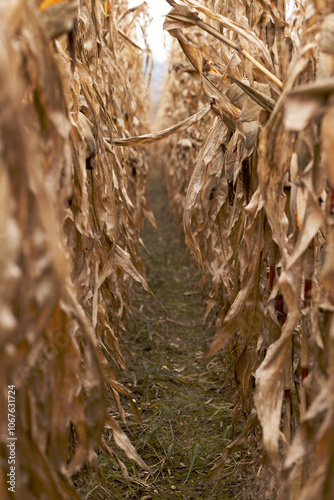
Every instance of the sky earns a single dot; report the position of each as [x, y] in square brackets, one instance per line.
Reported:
[157, 9]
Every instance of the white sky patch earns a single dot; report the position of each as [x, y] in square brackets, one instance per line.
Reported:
[157, 38]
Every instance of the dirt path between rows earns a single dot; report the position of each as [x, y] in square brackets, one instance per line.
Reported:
[184, 404]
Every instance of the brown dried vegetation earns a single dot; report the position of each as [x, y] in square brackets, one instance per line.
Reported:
[71, 210]
[253, 183]
[253, 186]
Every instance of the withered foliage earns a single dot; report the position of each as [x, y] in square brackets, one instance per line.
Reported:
[72, 205]
[253, 184]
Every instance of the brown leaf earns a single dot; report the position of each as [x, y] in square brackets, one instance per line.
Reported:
[158, 136]
[124, 443]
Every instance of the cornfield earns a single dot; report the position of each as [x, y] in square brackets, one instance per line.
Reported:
[246, 152]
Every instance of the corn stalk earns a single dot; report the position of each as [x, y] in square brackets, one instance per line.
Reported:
[255, 194]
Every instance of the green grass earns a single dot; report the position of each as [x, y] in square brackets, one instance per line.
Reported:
[185, 404]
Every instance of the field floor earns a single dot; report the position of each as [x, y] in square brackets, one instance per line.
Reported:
[184, 403]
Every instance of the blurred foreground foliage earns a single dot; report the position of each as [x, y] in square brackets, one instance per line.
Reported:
[72, 76]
